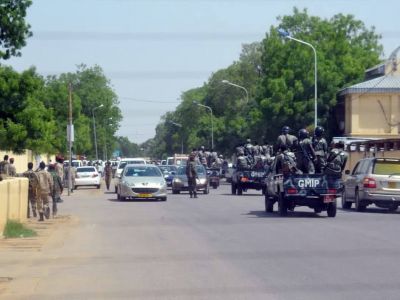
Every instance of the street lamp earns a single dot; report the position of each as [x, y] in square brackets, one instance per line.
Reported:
[94, 130]
[180, 126]
[212, 127]
[238, 86]
[286, 34]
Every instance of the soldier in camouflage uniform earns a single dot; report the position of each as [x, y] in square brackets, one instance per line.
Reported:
[336, 160]
[12, 170]
[108, 174]
[5, 168]
[287, 139]
[57, 188]
[321, 149]
[33, 190]
[46, 187]
[191, 174]
[305, 154]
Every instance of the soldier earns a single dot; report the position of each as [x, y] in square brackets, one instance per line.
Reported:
[46, 186]
[191, 174]
[5, 167]
[305, 154]
[248, 148]
[59, 166]
[12, 171]
[57, 188]
[108, 174]
[286, 161]
[287, 139]
[336, 160]
[33, 189]
[321, 149]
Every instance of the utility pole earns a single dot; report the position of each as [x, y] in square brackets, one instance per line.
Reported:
[70, 139]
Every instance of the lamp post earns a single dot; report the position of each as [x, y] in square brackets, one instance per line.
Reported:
[180, 126]
[105, 138]
[238, 86]
[94, 130]
[211, 115]
[286, 34]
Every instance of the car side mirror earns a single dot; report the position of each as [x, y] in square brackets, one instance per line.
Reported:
[347, 172]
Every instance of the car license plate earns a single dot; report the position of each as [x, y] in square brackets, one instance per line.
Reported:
[145, 195]
[392, 185]
[85, 175]
[328, 198]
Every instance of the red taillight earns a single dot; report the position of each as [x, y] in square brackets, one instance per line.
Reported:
[95, 175]
[369, 183]
[332, 191]
[292, 191]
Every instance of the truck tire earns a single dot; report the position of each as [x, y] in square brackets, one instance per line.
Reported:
[345, 204]
[359, 205]
[331, 211]
[233, 188]
[282, 206]
[269, 204]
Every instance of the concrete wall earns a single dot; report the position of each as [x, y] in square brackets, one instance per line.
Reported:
[13, 200]
[372, 115]
[21, 160]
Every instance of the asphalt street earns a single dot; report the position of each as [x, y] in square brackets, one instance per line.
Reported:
[218, 246]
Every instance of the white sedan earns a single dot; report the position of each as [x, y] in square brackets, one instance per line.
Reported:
[87, 176]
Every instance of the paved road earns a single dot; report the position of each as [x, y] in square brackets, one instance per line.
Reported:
[218, 246]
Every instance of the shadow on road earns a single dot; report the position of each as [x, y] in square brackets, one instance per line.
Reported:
[290, 214]
[372, 210]
[135, 200]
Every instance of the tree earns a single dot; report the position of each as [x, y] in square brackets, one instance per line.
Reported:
[13, 29]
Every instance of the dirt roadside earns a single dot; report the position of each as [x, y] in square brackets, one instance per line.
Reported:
[16, 255]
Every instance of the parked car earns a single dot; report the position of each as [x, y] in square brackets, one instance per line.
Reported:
[87, 176]
[142, 182]
[373, 181]
[180, 182]
[169, 173]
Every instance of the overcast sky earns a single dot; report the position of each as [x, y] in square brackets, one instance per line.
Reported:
[153, 50]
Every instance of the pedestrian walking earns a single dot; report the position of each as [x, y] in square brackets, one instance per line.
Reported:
[59, 168]
[191, 174]
[5, 167]
[57, 188]
[108, 174]
[33, 189]
[12, 170]
[46, 186]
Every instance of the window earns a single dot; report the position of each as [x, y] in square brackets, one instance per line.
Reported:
[386, 167]
[142, 172]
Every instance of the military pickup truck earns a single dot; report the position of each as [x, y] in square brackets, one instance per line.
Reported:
[245, 179]
[317, 191]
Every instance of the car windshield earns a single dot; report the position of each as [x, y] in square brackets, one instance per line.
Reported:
[199, 169]
[129, 162]
[142, 172]
[386, 167]
[167, 168]
[88, 169]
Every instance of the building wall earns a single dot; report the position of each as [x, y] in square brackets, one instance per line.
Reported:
[365, 117]
[21, 160]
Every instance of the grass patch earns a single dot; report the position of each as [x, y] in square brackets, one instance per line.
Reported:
[15, 229]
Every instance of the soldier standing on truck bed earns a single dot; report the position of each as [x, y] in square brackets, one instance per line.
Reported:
[321, 149]
[336, 160]
[305, 153]
[287, 139]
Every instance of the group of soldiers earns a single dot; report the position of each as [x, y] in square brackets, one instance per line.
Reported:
[207, 158]
[42, 185]
[249, 156]
[305, 155]
[7, 168]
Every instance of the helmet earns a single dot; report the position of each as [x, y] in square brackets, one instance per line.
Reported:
[248, 141]
[319, 131]
[285, 129]
[303, 133]
[220, 156]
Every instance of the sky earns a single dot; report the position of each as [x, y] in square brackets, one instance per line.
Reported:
[153, 50]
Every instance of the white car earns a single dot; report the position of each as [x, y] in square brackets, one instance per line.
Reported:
[87, 176]
[142, 182]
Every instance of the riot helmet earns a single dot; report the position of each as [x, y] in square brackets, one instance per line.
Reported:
[285, 129]
[319, 131]
[303, 134]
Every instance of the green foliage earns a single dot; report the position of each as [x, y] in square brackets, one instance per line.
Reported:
[279, 75]
[127, 148]
[13, 29]
[15, 229]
